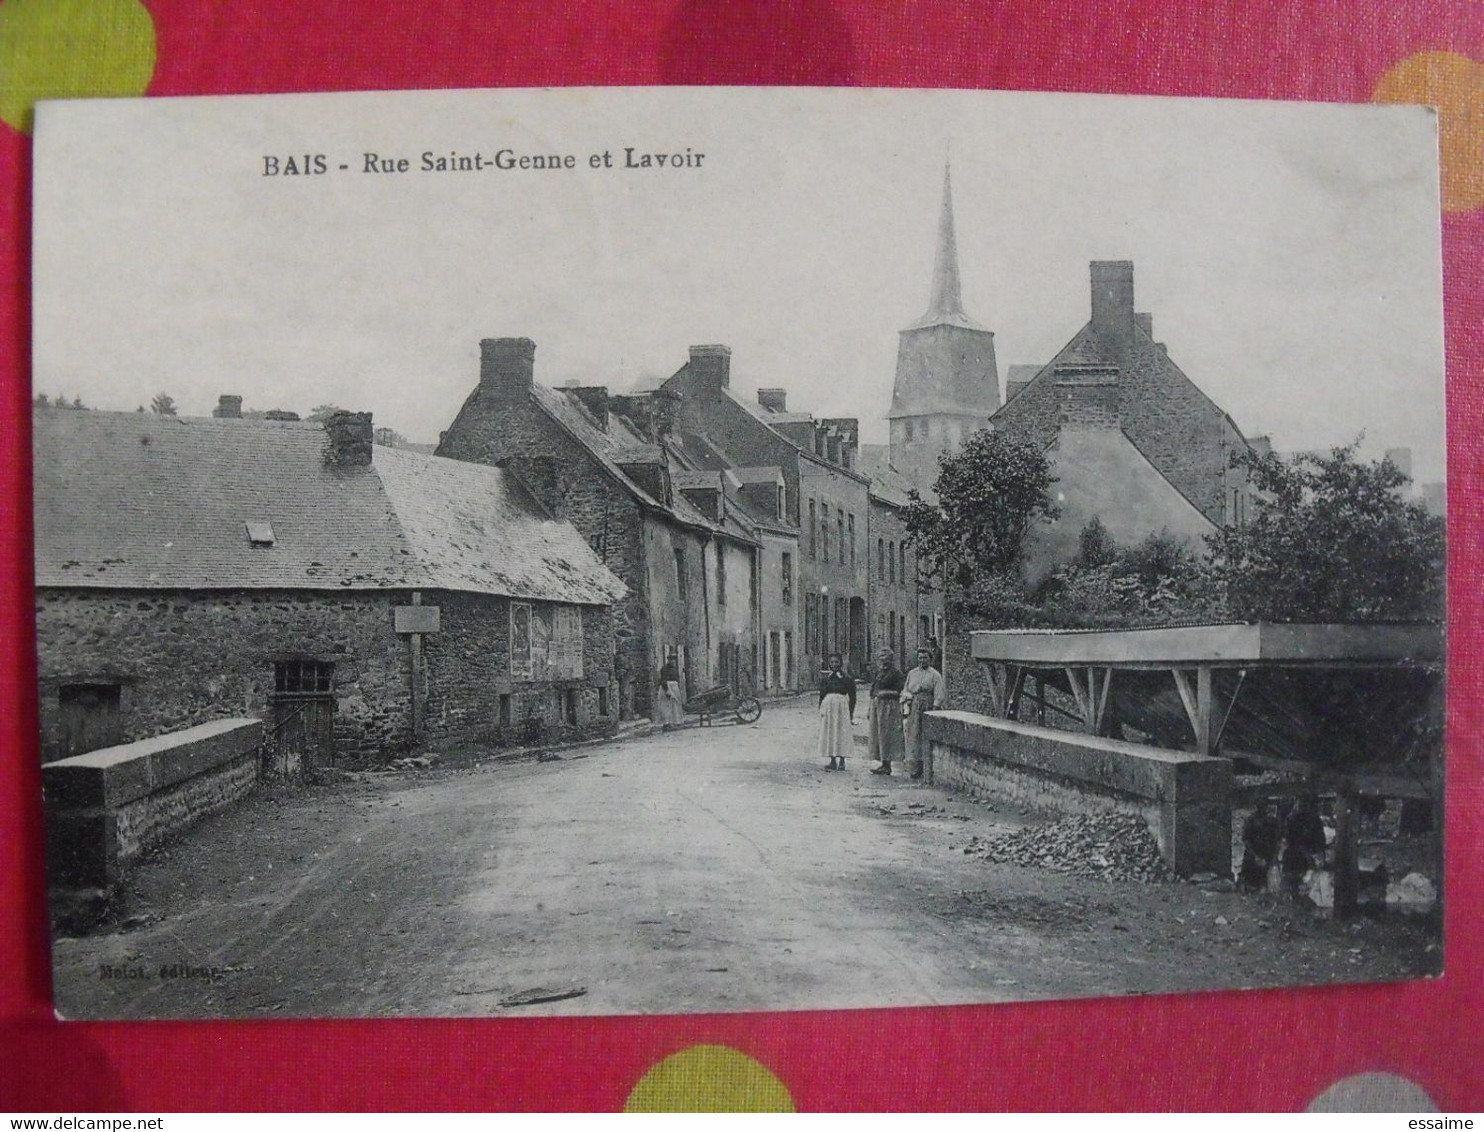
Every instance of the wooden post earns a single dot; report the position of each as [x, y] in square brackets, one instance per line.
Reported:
[415, 651]
[1347, 866]
[1203, 709]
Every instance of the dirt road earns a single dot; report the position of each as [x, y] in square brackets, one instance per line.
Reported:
[704, 870]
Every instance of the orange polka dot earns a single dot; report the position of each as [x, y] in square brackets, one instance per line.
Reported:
[1455, 85]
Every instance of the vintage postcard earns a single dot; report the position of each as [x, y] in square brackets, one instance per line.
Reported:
[691, 550]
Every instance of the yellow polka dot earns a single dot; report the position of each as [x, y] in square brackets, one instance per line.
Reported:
[709, 1079]
[1455, 85]
[71, 49]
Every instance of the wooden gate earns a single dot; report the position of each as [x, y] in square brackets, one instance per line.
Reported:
[88, 718]
[302, 717]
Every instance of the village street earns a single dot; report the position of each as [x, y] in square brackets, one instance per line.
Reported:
[703, 870]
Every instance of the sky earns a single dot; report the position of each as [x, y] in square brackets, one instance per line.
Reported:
[1289, 253]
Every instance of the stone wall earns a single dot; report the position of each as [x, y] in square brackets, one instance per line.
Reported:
[181, 659]
[107, 808]
[1185, 798]
[472, 697]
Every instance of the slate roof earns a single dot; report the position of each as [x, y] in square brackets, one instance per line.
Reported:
[887, 484]
[620, 444]
[137, 501]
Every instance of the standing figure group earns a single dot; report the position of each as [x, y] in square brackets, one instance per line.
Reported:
[898, 703]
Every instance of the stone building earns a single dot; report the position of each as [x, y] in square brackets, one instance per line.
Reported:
[360, 600]
[606, 464]
[825, 498]
[902, 617]
[1133, 440]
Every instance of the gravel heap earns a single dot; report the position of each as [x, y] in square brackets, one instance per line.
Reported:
[1108, 846]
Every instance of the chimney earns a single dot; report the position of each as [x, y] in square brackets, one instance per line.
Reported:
[594, 399]
[664, 408]
[348, 440]
[506, 368]
[774, 400]
[1113, 301]
[1145, 323]
[228, 407]
[711, 366]
[832, 438]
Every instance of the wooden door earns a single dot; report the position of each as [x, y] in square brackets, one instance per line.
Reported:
[88, 718]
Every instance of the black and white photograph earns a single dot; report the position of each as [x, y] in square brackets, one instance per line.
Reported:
[612, 551]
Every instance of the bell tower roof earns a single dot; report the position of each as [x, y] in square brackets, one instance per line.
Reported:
[946, 307]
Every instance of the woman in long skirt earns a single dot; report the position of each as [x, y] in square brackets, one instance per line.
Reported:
[836, 713]
[886, 713]
[668, 709]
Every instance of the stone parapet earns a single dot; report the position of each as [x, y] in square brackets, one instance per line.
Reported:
[1185, 797]
[107, 808]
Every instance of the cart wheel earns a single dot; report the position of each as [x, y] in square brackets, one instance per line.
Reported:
[748, 710]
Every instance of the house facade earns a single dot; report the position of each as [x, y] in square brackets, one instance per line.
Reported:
[824, 497]
[603, 464]
[363, 601]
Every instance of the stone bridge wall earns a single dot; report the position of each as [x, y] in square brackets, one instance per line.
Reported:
[1185, 798]
[107, 808]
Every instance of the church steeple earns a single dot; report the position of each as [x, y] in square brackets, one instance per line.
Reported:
[947, 383]
[946, 307]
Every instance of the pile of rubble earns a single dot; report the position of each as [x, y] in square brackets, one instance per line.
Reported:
[1107, 846]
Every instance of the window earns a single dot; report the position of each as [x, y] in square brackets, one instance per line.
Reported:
[520, 641]
[842, 625]
[891, 563]
[681, 586]
[823, 641]
[721, 574]
[851, 524]
[507, 710]
[813, 531]
[302, 677]
[603, 700]
[788, 658]
[902, 563]
[907, 428]
[781, 502]
[840, 524]
[568, 697]
[880, 558]
[891, 628]
[260, 532]
[788, 578]
[824, 531]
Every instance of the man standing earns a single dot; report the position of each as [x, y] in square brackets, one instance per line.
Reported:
[922, 693]
[886, 713]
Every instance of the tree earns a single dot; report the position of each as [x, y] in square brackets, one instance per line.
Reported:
[42, 401]
[322, 413]
[389, 438]
[990, 494]
[162, 404]
[1334, 540]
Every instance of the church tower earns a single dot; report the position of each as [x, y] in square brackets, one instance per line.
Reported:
[947, 385]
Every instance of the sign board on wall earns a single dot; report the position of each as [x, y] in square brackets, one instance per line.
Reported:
[416, 618]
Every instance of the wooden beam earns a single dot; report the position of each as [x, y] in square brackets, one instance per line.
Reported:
[1227, 714]
[1101, 715]
[1080, 693]
[996, 689]
[1187, 696]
